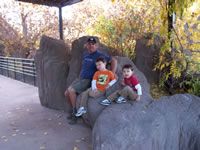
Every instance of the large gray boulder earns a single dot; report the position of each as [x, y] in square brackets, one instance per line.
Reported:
[52, 69]
[169, 123]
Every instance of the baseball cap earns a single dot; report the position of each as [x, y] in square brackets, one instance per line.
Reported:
[91, 40]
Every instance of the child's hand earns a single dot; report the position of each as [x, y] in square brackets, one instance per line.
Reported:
[107, 87]
[95, 90]
[138, 98]
[122, 83]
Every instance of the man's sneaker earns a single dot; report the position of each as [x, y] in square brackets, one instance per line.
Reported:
[80, 112]
[69, 117]
[120, 100]
[73, 120]
[105, 102]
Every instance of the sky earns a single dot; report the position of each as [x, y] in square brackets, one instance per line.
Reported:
[12, 14]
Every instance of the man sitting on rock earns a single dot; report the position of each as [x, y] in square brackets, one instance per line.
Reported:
[132, 89]
[102, 80]
[87, 71]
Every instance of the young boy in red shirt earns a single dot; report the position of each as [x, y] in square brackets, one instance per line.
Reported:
[132, 89]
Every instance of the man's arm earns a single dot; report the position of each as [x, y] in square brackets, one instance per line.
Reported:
[113, 63]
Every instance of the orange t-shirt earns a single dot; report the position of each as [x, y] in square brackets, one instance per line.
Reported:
[103, 78]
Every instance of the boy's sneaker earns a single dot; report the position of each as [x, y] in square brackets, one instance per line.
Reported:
[80, 112]
[105, 102]
[120, 100]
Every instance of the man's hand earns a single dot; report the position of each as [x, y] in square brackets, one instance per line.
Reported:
[113, 62]
[116, 77]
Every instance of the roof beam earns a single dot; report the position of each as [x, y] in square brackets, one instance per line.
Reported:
[70, 2]
[55, 3]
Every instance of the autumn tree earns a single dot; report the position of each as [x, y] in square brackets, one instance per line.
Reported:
[127, 21]
[179, 56]
[83, 16]
[178, 52]
[24, 33]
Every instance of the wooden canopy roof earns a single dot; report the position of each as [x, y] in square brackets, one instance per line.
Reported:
[56, 3]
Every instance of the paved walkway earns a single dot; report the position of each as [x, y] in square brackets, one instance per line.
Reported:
[26, 125]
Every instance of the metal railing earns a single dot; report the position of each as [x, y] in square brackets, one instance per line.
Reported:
[21, 69]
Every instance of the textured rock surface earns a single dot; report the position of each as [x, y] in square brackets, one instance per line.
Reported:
[147, 57]
[52, 69]
[169, 123]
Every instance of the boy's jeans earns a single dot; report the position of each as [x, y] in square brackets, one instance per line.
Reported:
[87, 93]
[127, 93]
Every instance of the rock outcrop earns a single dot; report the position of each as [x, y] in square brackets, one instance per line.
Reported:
[169, 123]
[52, 69]
[147, 56]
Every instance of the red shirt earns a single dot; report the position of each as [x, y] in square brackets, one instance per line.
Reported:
[132, 82]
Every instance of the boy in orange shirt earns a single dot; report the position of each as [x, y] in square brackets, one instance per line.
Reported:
[102, 80]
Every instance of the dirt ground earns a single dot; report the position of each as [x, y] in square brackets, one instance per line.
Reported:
[26, 125]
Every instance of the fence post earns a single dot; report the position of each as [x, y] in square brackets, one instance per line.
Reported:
[0, 65]
[34, 77]
[23, 70]
[15, 69]
[7, 68]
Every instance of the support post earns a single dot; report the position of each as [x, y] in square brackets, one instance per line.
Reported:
[171, 22]
[60, 23]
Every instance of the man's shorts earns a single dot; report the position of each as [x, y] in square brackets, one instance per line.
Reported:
[81, 85]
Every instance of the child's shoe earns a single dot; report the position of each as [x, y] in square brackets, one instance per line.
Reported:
[120, 100]
[105, 102]
[80, 112]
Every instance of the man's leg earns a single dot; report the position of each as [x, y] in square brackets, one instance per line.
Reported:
[68, 100]
[67, 96]
[74, 89]
[72, 98]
